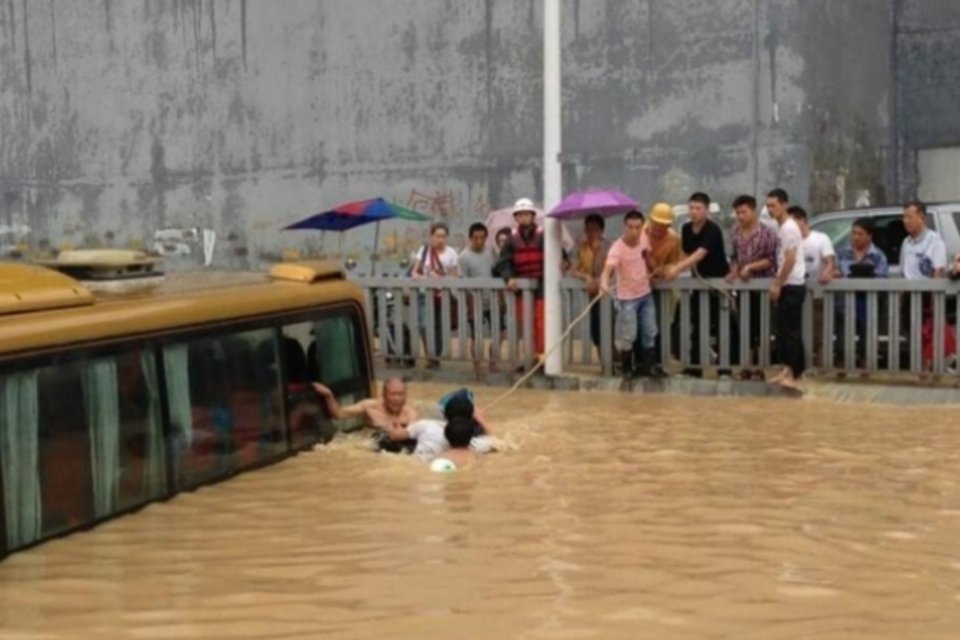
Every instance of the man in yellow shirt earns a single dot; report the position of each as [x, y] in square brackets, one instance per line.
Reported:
[665, 245]
[665, 250]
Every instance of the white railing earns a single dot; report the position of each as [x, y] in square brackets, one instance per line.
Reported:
[450, 319]
[861, 326]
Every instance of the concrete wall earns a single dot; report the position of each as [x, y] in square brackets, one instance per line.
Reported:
[928, 81]
[731, 96]
[121, 118]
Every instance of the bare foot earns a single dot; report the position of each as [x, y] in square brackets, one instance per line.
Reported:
[790, 383]
[779, 377]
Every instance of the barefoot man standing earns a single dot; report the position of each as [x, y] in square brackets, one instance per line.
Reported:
[788, 292]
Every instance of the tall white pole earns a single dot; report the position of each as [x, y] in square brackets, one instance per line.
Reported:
[552, 182]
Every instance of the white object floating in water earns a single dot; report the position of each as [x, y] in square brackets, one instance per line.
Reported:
[442, 465]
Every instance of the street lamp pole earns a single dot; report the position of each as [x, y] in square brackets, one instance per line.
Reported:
[552, 183]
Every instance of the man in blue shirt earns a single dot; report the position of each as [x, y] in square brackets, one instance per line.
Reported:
[859, 258]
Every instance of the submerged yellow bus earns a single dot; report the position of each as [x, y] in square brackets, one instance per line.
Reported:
[111, 401]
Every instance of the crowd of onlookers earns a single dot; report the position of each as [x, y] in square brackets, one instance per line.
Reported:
[779, 246]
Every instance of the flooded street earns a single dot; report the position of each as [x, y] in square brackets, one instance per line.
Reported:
[614, 517]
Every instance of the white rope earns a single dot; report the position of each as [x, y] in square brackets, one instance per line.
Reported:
[519, 383]
[563, 336]
[583, 314]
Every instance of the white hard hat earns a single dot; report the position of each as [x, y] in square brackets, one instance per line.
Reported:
[524, 204]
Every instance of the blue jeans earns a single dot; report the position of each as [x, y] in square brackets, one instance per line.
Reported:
[636, 321]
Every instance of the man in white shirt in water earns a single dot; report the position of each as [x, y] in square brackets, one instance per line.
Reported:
[431, 434]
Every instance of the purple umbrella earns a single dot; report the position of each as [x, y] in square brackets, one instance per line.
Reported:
[582, 203]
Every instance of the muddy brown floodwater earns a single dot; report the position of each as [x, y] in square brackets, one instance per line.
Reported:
[614, 517]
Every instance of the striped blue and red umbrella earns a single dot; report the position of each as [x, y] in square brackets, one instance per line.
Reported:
[354, 214]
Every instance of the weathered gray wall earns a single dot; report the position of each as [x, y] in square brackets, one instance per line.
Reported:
[928, 81]
[732, 96]
[119, 118]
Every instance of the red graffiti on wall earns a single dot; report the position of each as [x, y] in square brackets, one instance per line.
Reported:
[440, 204]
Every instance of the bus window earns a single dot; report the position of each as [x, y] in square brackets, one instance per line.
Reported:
[141, 468]
[95, 450]
[334, 351]
[334, 357]
[305, 415]
[224, 404]
[120, 398]
[19, 457]
[66, 472]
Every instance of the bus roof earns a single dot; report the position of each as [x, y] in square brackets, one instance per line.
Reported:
[25, 288]
[180, 301]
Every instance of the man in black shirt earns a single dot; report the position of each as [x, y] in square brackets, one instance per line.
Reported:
[706, 256]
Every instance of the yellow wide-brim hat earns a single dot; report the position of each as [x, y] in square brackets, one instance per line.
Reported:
[662, 213]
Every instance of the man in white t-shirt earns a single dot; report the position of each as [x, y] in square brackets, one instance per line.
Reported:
[788, 291]
[821, 266]
[818, 253]
[923, 254]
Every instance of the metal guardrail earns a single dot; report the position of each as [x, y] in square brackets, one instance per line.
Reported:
[862, 326]
[441, 319]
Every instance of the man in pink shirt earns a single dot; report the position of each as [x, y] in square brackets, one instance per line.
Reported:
[636, 330]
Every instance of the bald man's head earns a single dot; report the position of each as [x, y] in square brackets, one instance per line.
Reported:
[394, 394]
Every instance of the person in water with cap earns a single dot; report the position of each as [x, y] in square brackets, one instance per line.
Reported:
[523, 256]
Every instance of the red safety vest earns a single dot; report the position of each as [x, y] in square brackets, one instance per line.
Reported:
[528, 257]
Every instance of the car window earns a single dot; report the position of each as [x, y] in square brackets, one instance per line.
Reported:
[889, 236]
[889, 232]
[837, 229]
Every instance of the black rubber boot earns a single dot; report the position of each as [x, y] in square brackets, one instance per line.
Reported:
[649, 367]
[626, 365]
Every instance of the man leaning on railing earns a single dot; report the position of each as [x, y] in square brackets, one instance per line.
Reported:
[434, 260]
[922, 256]
[702, 241]
[859, 258]
[476, 261]
[754, 256]
[588, 263]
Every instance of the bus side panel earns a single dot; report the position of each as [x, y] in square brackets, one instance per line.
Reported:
[102, 428]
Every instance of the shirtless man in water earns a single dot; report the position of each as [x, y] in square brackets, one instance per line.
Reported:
[390, 414]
